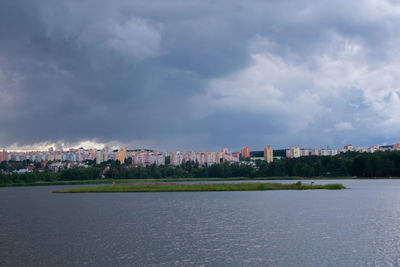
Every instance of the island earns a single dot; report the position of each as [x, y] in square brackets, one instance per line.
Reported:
[195, 187]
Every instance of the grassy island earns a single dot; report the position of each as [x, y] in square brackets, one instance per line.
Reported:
[175, 187]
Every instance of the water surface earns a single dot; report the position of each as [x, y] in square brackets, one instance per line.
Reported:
[356, 227]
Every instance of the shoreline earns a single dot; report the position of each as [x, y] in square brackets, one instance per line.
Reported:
[154, 180]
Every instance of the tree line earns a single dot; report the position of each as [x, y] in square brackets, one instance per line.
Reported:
[378, 164]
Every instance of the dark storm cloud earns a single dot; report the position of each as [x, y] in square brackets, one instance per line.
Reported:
[157, 73]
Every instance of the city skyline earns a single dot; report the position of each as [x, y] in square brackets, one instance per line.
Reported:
[241, 149]
[121, 153]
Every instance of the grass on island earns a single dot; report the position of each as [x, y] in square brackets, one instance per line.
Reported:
[173, 187]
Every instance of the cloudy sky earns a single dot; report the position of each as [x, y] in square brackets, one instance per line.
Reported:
[185, 74]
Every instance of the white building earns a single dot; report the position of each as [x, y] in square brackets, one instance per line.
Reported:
[295, 152]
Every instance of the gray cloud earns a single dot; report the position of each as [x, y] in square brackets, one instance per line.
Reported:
[199, 74]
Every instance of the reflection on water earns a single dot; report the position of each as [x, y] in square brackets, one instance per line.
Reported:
[360, 226]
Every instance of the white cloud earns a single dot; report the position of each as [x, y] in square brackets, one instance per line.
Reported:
[344, 126]
[309, 92]
[383, 8]
[44, 146]
[267, 86]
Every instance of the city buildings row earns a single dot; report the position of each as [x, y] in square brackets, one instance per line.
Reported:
[145, 157]
[148, 157]
[134, 157]
[295, 152]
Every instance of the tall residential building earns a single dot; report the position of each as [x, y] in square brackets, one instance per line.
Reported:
[200, 158]
[315, 152]
[268, 154]
[99, 157]
[245, 151]
[225, 150]
[3, 156]
[305, 152]
[122, 155]
[92, 154]
[214, 157]
[295, 152]
[348, 147]
[324, 152]
[227, 157]
[173, 159]
[235, 156]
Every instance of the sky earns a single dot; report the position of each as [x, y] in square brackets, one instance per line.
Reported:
[199, 74]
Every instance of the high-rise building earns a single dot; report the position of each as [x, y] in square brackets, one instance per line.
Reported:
[214, 157]
[225, 150]
[227, 157]
[268, 154]
[122, 155]
[245, 151]
[295, 152]
[348, 147]
[92, 153]
[99, 157]
[305, 152]
[235, 156]
[173, 159]
[199, 158]
[315, 152]
[3, 156]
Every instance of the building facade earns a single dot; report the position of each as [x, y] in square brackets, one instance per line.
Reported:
[122, 155]
[99, 157]
[268, 154]
[245, 151]
[295, 152]
[3, 156]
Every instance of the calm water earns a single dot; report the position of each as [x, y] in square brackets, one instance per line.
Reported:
[357, 227]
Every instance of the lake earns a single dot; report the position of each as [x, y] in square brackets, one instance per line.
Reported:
[355, 227]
